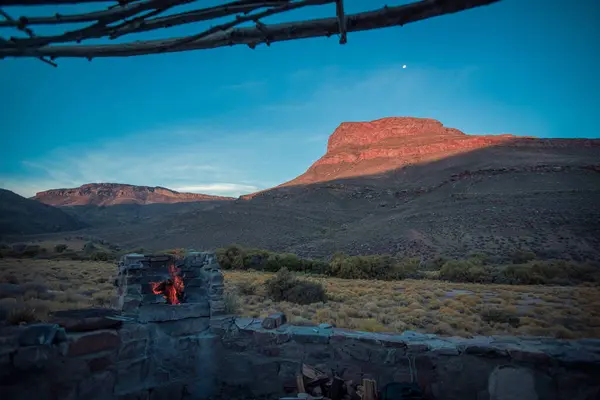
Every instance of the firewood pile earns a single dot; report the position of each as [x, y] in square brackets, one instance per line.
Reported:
[313, 384]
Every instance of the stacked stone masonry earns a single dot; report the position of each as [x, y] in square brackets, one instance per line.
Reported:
[154, 351]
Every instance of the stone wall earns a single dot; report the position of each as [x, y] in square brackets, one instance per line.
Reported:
[265, 361]
[193, 351]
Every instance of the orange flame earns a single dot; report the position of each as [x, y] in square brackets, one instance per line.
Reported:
[171, 289]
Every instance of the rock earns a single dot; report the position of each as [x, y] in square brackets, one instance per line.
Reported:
[325, 326]
[508, 382]
[105, 194]
[39, 334]
[85, 320]
[274, 321]
[34, 357]
[93, 342]
[169, 312]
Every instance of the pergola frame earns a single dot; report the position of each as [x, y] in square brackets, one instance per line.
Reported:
[135, 16]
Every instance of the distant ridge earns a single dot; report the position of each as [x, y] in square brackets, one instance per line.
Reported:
[107, 194]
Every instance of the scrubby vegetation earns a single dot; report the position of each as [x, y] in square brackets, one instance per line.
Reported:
[476, 268]
[432, 306]
[286, 287]
[32, 288]
[237, 257]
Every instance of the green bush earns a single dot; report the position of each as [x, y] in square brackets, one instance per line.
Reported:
[232, 303]
[32, 250]
[463, 271]
[560, 272]
[522, 256]
[237, 257]
[363, 267]
[89, 248]
[246, 288]
[407, 268]
[100, 256]
[285, 287]
[59, 248]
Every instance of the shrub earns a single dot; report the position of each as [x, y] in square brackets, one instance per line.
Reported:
[59, 248]
[246, 288]
[89, 248]
[237, 257]
[550, 272]
[463, 271]
[408, 268]
[230, 257]
[285, 287]
[436, 263]
[522, 256]
[100, 256]
[363, 267]
[32, 250]
[232, 303]
[23, 315]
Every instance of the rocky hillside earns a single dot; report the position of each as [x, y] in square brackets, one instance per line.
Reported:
[367, 148]
[403, 186]
[108, 194]
[19, 215]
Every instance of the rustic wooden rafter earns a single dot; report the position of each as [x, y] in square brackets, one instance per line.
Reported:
[130, 17]
[339, 10]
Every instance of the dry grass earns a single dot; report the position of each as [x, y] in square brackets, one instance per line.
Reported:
[422, 305]
[434, 306]
[52, 285]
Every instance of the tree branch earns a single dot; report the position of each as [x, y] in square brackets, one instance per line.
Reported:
[49, 2]
[240, 7]
[29, 32]
[240, 20]
[339, 8]
[386, 17]
[121, 12]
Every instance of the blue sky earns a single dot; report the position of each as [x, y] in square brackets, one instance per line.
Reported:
[234, 120]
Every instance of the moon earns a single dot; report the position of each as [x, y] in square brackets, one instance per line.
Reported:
[404, 66]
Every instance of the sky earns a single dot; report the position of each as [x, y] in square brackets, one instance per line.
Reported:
[233, 120]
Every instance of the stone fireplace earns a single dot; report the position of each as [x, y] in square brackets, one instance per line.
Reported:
[166, 342]
[139, 284]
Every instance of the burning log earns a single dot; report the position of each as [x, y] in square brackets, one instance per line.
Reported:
[171, 289]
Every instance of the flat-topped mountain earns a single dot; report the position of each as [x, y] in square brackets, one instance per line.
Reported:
[367, 148]
[107, 194]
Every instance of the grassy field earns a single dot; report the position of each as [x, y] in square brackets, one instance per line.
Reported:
[433, 306]
[51, 285]
[423, 305]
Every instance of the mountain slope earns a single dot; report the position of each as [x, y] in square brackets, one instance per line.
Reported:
[107, 194]
[367, 148]
[19, 215]
[402, 186]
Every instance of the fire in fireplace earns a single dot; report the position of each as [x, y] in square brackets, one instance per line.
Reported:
[172, 288]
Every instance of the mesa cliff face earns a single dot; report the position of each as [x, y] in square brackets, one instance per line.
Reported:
[367, 148]
[105, 194]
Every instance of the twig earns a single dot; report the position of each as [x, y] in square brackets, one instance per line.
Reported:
[386, 17]
[30, 33]
[240, 20]
[339, 8]
[113, 13]
[205, 14]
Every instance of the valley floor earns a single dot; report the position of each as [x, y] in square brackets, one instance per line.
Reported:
[432, 306]
[32, 288]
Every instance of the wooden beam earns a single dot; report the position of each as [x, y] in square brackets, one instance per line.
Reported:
[49, 2]
[7, 17]
[339, 8]
[119, 12]
[386, 17]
